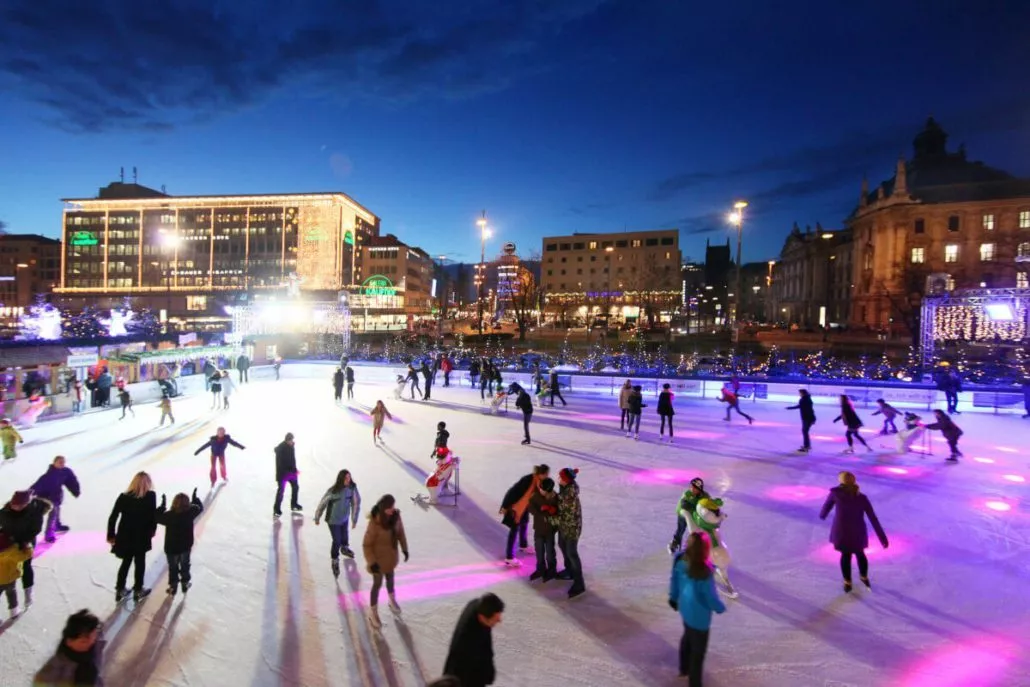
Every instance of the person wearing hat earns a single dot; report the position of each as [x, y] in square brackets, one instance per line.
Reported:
[79, 656]
[570, 527]
[440, 442]
[685, 511]
[22, 520]
[286, 471]
[51, 486]
[848, 533]
[10, 438]
[12, 560]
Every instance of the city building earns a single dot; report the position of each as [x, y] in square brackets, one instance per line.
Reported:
[191, 256]
[940, 214]
[30, 265]
[625, 275]
[398, 285]
[811, 279]
[755, 294]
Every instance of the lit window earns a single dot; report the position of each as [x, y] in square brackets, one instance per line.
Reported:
[593, 245]
[951, 252]
[636, 243]
[988, 221]
[986, 252]
[1021, 280]
[918, 255]
[1024, 219]
[1024, 250]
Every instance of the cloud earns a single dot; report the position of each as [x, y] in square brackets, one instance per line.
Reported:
[151, 66]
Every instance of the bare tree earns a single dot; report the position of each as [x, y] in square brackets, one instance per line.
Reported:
[3, 227]
[654, 288]
[526, 299]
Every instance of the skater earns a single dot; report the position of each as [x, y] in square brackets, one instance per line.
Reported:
[807, 411]
[218, 443]
[413, 378]
[543, 506]
[570, 528]
[178, 524]
[708, 516]
[440, 442]
[286, 471]
[951, 433]
[209, 373]
[470, 658]
[515, 510]
[77, 396]
[447, 367]
[913, 430]
[22, 520]
[341, 505]
[348, 373]
[228, 388]
[665, 411]
[131, 526]
[384, 534]
[400, 383]
[692, 592]
[554, 387]
[9, 436]
[624, 393]
[474, 372]
[889, 412]
[79, 657]
[848, 533]
[427, 376]
[379, 415]
[166, 410]
[498, 379]
[338, 384]
[486, 378]
[243, 368]
[524, 403]
[685, 510]
[50, 486]
[634, 407]
[216, 389]
[12, 561]
[852, 423]
[732, 401]
[277, 365]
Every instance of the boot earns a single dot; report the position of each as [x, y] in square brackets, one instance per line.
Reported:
[336, 567]
[394, 606]
[28, 597]
[140, 594]
[120, 594]
[373, 617]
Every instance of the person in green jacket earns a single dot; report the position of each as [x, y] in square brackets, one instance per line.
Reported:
[9, 437]
[685, 511]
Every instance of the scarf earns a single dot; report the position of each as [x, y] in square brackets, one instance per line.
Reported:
[86, 670]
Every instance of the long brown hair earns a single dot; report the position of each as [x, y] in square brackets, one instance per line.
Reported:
[848, 482]
[696, 556]
[341, 481]
[181, 503]
[386, 501]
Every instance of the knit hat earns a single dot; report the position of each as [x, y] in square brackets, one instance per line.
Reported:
[568, 474]
[21, 498]
[698, 483]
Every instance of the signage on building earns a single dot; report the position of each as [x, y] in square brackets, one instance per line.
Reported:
[82, 360]
[83, 238]
[348, 237]
[509, 248]
[187, 338]
[378, 285]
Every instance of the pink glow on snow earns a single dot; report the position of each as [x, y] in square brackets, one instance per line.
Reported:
[446, 586]
[665, 476]
[793, 493]
[827, 437]
[984, 460]
[1007, 449]
[1018, 479]
[766, 423]
[981, 661]
[75, 543]
[908, 472]
[898, 547]
[998, 506]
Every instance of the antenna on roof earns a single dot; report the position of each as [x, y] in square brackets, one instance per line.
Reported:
[163, 189]
[121, 174]
[135, 176]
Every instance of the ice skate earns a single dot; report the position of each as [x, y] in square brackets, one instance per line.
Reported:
[576, 591]
[535, 575]
[336, 567]
[172, 588]
[868, 449]
[731, 592]
[628, 435]
[276, 514]
[140, 594]
[636, 437]
[120, 595]
[848, 450]
[373, 618]
[865, 581]
[186, 586]
[347, 552]
[801, 450]
[297, 508]
[951, 459]
[14, 612]
[512, 562]
[394, 606]
[672, 548]
[847, 587]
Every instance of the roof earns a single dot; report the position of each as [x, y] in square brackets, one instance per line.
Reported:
[35, 238]
[30, 356]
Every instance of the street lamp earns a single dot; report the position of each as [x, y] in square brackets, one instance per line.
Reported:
[484, 233]
[608, 291]
[737, 217]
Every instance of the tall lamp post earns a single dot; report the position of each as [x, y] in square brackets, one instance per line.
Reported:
[737, 217]
[484, 233]
[608, 292]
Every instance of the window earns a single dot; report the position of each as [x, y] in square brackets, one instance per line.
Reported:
[920, 226]
[607, 244]
[593, 258]
[563, 273]
[551, 247]
[636, 243]
[196, 302]
[565, 246]
[1024, 219]
[1021, 280]
[593, 245]
[667, 241]
[951, 252]
[1023, 251]
[577, 246]
[579, 271]
[918, 255]
[988, 222]
[953, 223]
[652, 242]
[579, 259]
[621, 244]
[550, 273]
[564, 259]
[986, 252]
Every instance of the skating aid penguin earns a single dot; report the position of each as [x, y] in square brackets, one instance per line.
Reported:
[708, 516]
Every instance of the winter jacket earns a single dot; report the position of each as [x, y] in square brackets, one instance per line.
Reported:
[470, 657]
[524, 402]
[888, 411]
[807, 409]
[218, 445]
[9, 435]
[132, 524]
[570, 512]
[516, 499]
[553, 380]
[349, 374]
[543, 508]
[850, 417]
[665, 403]
[53, 482]
[848, 531]
[104, 381]
[23, 526]
[179, 526]
[688, 503]
[635, 403]
[442, 437]
[338, 380]
[947, 427]
[729, 396]
[624, 393]
[695, 599]
[285, 462]
[243, 363]
[340, 506]
[379, 416]
[11, 561]
[61, 669]
[381, 540]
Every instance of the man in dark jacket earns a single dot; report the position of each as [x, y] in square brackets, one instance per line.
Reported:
[524, 403]
[51, 486]
[286, 471]
[554, 388]
[22, 520]
[243, 367]
[807, 410]
[471, 655]
[338, 384]
[427, 374]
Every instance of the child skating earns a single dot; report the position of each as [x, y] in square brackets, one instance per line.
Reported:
[889, 412]
[685, 512]
[951, 433]
[12, 562]
[166, 411]
[913, 430]
[708, 516]
[732, 401]
[440, 442]
[178, 524]
[379, 416]
[852, 423]
[10, 437]
[126, 401]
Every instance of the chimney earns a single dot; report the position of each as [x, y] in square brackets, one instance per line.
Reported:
[900, 179]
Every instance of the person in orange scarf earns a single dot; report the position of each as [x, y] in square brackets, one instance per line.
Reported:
[515, 511]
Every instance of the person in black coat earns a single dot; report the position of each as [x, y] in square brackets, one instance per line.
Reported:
[555, 388]
[474, 372]
[804, 405]
[286, 471]
[486, 379]
[413, 378]
[348, 373]
[427, 375]
[524, 403]
[634, 407]
[470, 657]
[515, 510]
[22, 520]
[178, 524]
[131, 526]
[243, 366]
[665, 411]
[852, 423]
[338, 384]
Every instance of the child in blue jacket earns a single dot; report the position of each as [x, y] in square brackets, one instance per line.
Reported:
[692, 592]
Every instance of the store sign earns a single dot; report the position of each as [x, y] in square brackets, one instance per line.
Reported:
[83, 238]
[348, 237]
[378, 285]
[82, 360]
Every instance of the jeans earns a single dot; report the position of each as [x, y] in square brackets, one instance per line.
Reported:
[377, 583]
[623, 417]
[53, 520]
[337, 393]
[693, 646]
[447, 378]
[681, 528]
[805, 428]
[220, 459]
[736, 407]
[854, 433]
[661, 431]
[952, 399]
[889, 422]
[526, 417]
[10, 591]
[243, 376]
[845, 564]
[414, 386]
[350, 389]
[429, 388]
[633, 422]
[138, 561]
[555, 391]
[482, 388]
[279, 494]
[340, 540]
[573, 566]
[179, 569]
[546, 557]
[519, 530]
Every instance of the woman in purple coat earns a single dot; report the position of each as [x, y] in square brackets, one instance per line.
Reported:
[51, 486]
[848, 533]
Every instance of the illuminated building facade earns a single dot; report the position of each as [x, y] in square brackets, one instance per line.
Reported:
[29, 265]
[396, 285]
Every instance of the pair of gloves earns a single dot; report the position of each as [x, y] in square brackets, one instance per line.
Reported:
[164, 499]
[375, 566]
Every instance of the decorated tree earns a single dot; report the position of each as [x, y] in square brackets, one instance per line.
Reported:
[144, 323]
[85, 325]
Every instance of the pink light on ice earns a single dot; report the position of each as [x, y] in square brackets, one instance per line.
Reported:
[1007, 449]
[982, 661]
[793, 493]
[907, 472]
[899, 547]
[445, 586]
[984, 460]
[75, 543]
[998, 506]
[1018, 479]
[665, 476]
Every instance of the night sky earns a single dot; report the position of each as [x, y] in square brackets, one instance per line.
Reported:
[555, 117]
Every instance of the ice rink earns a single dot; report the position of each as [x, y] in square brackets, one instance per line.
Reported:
[949, 605]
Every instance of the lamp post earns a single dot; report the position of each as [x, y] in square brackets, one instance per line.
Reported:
[737, 217]
[484, 234]
[608, 290]
[770, 305]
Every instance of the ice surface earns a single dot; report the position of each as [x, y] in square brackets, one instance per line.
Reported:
[949, 605]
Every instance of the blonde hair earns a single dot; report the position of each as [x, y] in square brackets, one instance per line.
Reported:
[848, 481]
[140, 485]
